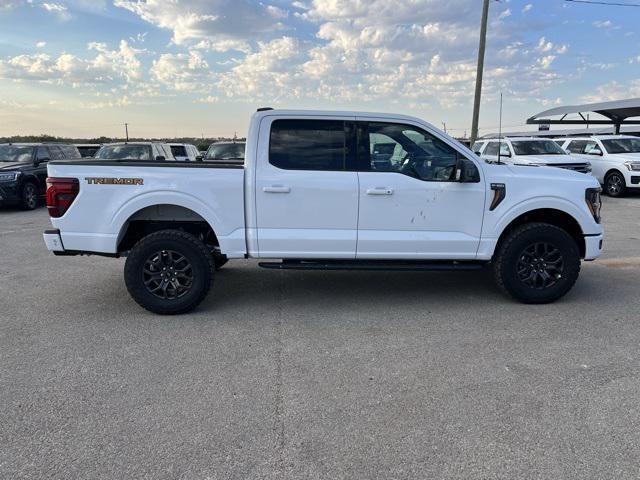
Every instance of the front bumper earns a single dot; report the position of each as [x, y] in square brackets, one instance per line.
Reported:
[9, 193]
[593, 246]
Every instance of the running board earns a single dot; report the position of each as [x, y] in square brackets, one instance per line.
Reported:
[370, 265]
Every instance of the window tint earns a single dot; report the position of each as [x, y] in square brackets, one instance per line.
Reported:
[43, 153]
[307, 144]
[411, 151]
[178, 151]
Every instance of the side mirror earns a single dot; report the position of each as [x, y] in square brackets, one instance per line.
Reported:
[596, 151]
[199, 158]
[160, 158]
[466, 171]
[38, 161]
[508, 154]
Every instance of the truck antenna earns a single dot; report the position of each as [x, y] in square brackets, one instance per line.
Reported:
[500, 129]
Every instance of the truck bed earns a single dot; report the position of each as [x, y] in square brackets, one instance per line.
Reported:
[113, 192]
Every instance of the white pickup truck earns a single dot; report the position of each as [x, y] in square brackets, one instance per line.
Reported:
[327, 190]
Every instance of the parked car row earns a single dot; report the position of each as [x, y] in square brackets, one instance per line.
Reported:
[613, 159]
[23, 170]
[179, 152]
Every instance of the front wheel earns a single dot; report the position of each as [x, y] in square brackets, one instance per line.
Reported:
[29, 196]
[537, 263]
[614, 184]
[169, 272]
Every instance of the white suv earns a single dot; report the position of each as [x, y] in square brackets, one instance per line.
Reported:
[530, 151]
[615, 160]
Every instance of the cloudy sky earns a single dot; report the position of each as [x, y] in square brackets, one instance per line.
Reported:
[201, 67]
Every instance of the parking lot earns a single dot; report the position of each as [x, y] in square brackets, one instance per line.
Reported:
[318, 374]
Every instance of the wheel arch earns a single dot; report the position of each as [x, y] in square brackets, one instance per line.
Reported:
[163, 216]
[552, 216]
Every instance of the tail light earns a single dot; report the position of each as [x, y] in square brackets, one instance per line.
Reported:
[61, 192]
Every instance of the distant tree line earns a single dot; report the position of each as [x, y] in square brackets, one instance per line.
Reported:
[200, 143]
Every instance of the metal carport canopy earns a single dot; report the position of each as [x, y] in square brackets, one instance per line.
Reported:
[616, 113]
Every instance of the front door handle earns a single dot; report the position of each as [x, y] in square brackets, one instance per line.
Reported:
[276, 189]
[379, 191]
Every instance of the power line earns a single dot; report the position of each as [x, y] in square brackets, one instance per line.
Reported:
[609, 4]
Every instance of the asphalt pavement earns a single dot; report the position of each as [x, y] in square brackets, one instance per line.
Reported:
[331, 375]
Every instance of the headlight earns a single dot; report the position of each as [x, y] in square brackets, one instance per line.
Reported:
[635, 166]
[9, 176]
[592, 197]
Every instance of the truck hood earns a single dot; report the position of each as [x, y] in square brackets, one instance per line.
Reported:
[12, 165]
[553, 174]
[547, 159]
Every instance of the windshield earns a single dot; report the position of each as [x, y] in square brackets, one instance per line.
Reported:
[15, 153]
[122, 152]
[622, 145]
[537, 147]
[225, 151]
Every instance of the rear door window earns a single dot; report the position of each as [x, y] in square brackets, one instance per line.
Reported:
[308, 145]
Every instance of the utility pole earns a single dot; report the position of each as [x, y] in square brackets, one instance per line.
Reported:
[444, 125]
[126, 130]
[478, 93]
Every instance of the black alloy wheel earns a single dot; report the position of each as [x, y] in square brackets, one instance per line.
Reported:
[540, 265]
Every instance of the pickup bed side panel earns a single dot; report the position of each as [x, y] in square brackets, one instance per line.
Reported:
[96, 219]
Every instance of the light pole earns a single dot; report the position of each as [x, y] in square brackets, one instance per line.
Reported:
[478, 93]
[126, 130]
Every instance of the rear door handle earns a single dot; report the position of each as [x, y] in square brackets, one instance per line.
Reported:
[276, 189]
[379, 191]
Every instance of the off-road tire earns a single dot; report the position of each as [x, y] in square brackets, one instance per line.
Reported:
[615, 185]
[510, 253]
[29, 196]
[180, 243]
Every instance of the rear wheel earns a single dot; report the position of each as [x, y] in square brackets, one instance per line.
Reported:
[614, 184]
[537, 263]
[29, 196]
[169, 272]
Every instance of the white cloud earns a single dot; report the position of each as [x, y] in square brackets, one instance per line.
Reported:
[544, 46]
[546, 61]
[224, 24]
[181, 71]
[106, 66]
[527, 7]
[504, 14]
[58, 9]
[41, 44]
[614, 91]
